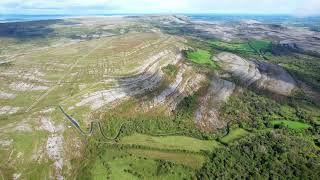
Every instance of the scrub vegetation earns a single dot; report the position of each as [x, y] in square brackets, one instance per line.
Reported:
[250, 47]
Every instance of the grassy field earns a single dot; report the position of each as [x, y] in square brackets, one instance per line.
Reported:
[170, 142]
[141, 168]
[259, 45]
[201, 57]
[234, 135]
[136, 164]
[191, 160]
[291, 124]
[251, 47]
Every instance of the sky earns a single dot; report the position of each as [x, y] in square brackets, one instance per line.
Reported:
[78, 7]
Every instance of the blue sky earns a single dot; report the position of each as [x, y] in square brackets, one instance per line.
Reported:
[294, 7]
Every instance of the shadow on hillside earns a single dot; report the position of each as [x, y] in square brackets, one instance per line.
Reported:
[140, 84]
[25, 30]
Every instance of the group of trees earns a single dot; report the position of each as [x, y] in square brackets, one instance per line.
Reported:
[276, 154]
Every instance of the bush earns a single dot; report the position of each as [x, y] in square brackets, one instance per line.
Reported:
[170, 70]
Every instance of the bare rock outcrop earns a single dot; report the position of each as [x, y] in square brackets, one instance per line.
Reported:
[186, 83]
[149, 78]
[207, 115]
[6, 95]
[23, 86]
[262, 74]
[173, 87]
[5, 110]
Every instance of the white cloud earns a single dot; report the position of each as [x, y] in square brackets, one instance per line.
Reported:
[302, 7]
[309, 8]
[106, 6]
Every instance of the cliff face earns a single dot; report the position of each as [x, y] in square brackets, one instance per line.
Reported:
[262, 74]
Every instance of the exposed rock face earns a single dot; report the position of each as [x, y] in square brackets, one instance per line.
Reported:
[22, 86]
[160, 99]
[8, 110]
[275, 79]
[149, 78]
[5, 95]
[300, 46]
[5, 143]
[186, 88]
[239, 67]
[292, 37]
[186, 83]
[288, 44]
[207, 115]
[264, 75]
[17, 127]
[54, 145]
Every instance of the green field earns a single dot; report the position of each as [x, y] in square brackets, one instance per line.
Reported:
[170, 142]
[134, 164]
[234, 135]
[191, 160]
[201, 57]
[254, 46]
[292, 124]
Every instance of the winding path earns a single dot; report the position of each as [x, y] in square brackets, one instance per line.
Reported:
[89, 133]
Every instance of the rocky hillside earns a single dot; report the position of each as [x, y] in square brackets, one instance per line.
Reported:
[146, 92]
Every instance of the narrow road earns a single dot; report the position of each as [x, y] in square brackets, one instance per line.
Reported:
[89, 133]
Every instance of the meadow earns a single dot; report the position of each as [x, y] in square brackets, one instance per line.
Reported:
[201, 57]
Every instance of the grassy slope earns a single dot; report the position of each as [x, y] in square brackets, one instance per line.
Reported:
[292, 124]
[191, 160]
[170, 142]
[253, 46]
[234, 135]
[201, 57]
[116, 164]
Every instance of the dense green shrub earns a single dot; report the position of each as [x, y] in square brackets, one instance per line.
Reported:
[269, 155]
[170, 70]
